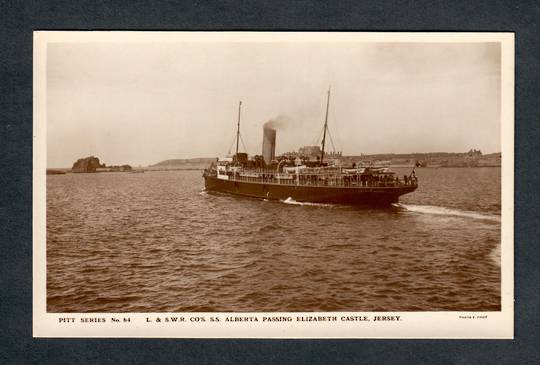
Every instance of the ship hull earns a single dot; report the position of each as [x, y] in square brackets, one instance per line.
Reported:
[371, 196]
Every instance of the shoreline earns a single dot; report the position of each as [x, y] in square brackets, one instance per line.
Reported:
[60, 171]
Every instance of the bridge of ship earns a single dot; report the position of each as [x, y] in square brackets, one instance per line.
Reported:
[327, 176]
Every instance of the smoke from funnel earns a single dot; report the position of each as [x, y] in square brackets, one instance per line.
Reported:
[278, 122]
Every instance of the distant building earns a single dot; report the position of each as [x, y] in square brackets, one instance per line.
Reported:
[122, 168]
[314, 152]
[310, 151]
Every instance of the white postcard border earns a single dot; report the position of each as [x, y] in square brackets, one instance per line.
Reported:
[485, 325]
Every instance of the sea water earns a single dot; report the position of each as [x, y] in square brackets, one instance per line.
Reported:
[156, 242]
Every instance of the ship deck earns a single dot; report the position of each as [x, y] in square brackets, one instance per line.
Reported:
[318, 178]
[368, 193]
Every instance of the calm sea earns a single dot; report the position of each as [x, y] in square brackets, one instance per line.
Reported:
[156, 242]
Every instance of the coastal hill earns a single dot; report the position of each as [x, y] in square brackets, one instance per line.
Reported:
[472, 158]
[182, 164]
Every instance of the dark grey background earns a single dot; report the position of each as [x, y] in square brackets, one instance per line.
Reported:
[19, 18]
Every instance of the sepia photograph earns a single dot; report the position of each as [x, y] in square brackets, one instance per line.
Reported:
[292, 179]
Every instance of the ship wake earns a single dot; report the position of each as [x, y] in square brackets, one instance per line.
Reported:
[436, 210]
[291, 201]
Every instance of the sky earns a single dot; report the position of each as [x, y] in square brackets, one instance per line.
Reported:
[141, 103]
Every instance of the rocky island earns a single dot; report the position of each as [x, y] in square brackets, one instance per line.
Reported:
[92, 164]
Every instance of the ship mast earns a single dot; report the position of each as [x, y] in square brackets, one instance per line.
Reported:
[325, 126]
[238, 128]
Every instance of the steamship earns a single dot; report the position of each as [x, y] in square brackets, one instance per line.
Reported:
[304, 180]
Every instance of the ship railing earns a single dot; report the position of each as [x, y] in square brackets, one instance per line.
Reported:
[312, 177]
[318, 180]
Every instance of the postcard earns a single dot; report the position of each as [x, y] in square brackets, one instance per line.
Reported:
[273, 184]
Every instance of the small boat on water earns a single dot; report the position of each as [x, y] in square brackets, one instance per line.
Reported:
[285, 178]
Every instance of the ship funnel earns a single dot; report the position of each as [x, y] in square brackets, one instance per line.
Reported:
[269, 145]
